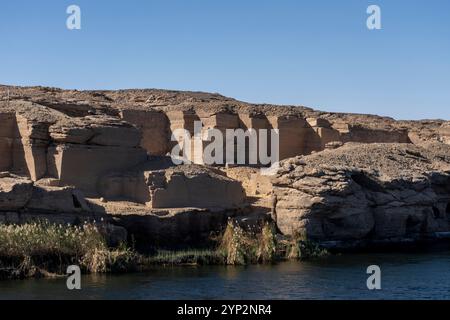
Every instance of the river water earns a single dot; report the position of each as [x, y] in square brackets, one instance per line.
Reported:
[403, 276]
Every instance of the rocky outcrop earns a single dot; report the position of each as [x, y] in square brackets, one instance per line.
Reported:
[15, 192]
[194, 187]
[20, 194]
[68, 156]
[175, 228]
[40, 142]
[57, 199]
[370, 192]
[185, 186]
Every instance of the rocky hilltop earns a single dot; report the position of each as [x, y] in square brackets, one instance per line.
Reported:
[345, 179]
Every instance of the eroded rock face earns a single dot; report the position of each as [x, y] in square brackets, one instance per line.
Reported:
[360, 191]
[154, 126]
[42, 143]
[96, 130]
[94, 118]
[58, 147]
[83, 165]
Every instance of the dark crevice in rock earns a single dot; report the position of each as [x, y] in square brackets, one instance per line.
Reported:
[366, 182]
[76, 203]
[436, 213]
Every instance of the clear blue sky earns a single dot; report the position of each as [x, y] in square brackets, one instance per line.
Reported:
[316, 53]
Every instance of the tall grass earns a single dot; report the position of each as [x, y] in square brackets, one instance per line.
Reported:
[42, 248]
[301, 248]
[267, 244]
[242, 247]
[41, 245]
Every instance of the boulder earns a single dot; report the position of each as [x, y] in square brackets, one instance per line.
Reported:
[57, 199]
[365, 192]
[15, 192]
[195, 187]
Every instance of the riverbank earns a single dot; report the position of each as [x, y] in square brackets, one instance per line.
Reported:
[42, 249]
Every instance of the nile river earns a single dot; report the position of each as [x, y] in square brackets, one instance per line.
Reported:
[403, 276]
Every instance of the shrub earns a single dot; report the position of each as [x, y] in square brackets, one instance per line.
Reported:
[267, 244]
[235, 245]
[242, 247]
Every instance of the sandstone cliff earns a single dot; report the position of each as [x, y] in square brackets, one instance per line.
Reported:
[70, 155]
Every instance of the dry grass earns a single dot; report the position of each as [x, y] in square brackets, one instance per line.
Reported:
[42, 248]
[242, 247]
[50, 247]
[267, 244]
[301, 248]
[236, 245]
